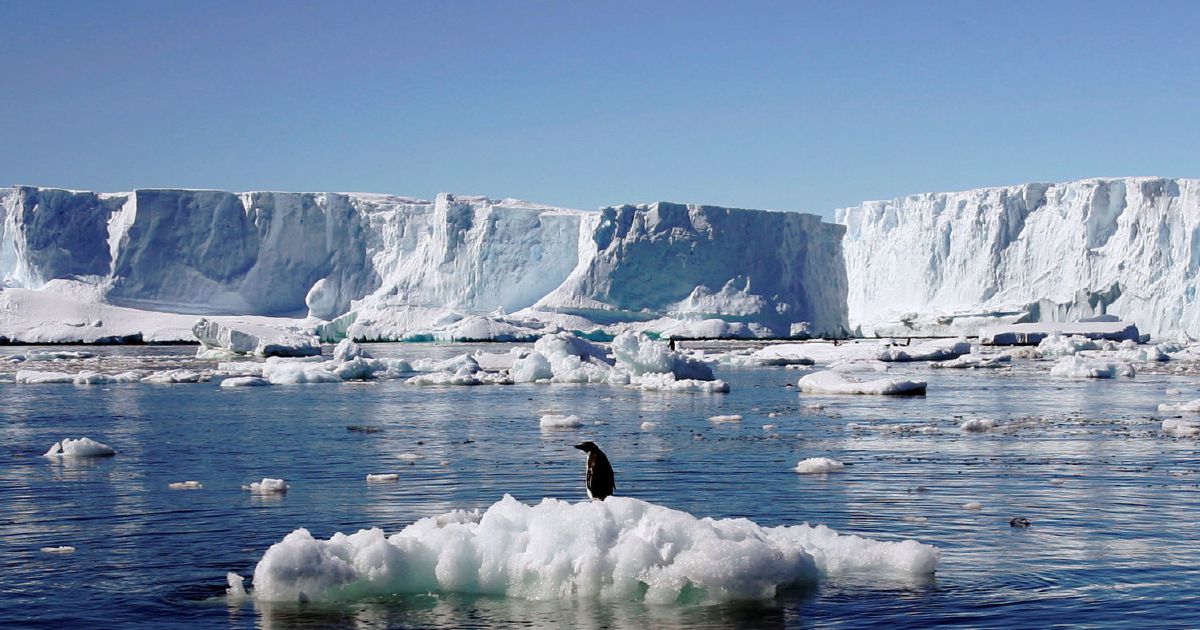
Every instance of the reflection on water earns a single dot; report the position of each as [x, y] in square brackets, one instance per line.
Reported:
[1112, 500]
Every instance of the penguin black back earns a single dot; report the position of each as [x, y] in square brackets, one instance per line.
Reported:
[600, 480]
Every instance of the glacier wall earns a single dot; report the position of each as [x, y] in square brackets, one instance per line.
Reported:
[665, 259]
[328, 254]
[1037, 252]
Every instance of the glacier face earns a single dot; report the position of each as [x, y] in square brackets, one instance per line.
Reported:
[411, 261]
[1051, 252]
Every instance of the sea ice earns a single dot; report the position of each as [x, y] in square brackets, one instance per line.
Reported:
[978, 425]
[721, 419]
[245, 381]
[1192, 406]
[382, 477]
[935, 350]
[256, 339]
[185, 485]
[618, 549]
[1075, 366]
[830, 382]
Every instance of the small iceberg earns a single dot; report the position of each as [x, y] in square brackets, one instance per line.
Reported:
[830, 382]
[83, 447]
[267, 486]
[554, 421]
[818, 465]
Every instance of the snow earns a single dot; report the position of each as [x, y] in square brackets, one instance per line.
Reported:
[620, 549]
[82, 447]
[1075, 366]
[555, 421]
[819, 465]
[267, 486]
[832, 382]
[1032, 252]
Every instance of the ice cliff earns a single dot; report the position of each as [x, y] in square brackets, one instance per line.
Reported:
[946, 263]
[384, 266]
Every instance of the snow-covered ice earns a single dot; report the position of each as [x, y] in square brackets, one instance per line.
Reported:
[725, 419]
[185, 485]
[618, 549]
[382, 477]
[256, 339]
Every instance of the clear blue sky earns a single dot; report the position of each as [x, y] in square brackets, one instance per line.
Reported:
[790, 105]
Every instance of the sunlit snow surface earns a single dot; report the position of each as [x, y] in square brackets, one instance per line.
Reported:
[1108, 481]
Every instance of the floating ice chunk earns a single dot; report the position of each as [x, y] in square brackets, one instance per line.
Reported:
[974, 362]
[1079, 367]
[240, 368]
[35, 377]
[480, 328]
[649, 426]
[237, 587]
[281, 371]
[382, 478]
[258, 339]
[267, 486]
[977, 425]
[974, 506]
[914, 519]
[638, 354]
[1192, 406]
[668, 383]
[1057, 345]
[82, 447]
[59, 549]
[444, 378]
[721, 419]
[936, 350]
[408, 457]
[1181, 427]
[245, 381]
[819, 465]
[553, 421]
[830, 382]
[185, 485]
[846, 366]
[617, 549]
[169, 377]
[531, 368]
[347, 350]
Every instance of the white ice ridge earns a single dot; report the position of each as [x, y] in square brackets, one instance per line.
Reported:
[832, 382]
[950, 263]
[387, 267]
[617, 549]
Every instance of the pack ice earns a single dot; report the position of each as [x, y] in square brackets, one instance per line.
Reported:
[617, 549]
[381, 267]
[950, 263]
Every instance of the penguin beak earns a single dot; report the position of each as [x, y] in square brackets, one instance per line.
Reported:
[581, 447]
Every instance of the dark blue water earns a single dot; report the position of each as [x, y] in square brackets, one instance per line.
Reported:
[1113, 502]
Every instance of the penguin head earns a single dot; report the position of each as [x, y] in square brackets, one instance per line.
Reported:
[587, 447]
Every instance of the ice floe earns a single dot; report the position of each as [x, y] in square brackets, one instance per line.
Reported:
[185, 485]
[831, 382]
[256, 339]
[1075, 366]
[617, 549]
[382, 477]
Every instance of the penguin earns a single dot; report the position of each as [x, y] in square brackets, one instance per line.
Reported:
[600, 481]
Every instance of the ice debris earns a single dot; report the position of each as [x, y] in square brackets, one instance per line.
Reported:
[831, 382]
[819, 465]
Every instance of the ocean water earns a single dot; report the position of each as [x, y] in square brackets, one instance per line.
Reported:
[1112, 501]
